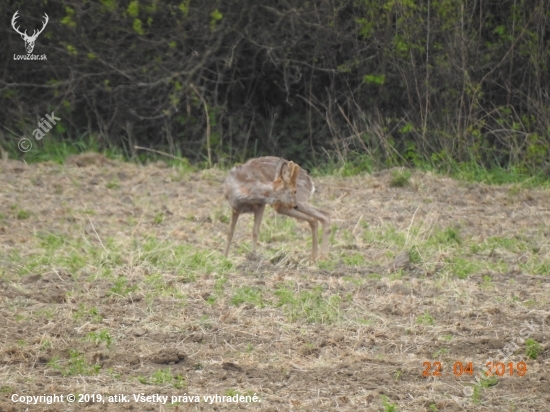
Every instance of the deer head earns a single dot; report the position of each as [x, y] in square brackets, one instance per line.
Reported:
[284, 185]
[29, 40]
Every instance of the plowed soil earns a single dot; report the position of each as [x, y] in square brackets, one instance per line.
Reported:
[113, 283]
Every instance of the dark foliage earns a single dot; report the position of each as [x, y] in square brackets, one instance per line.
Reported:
[402, 81]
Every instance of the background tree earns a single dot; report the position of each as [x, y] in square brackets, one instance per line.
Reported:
[398, 81]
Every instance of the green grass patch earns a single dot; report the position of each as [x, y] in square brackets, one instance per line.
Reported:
[400, 178]
[425, 319]
[354, 260]
[184, 260]
[164, 377]
[533, 348]
[75, 365]
[157, 286]
[248, 295]
[89, 314]
[462, 267]
[121, 287]
[100, 337]
[309, 306]
[23, 214]
[385, 236]
[388, 406]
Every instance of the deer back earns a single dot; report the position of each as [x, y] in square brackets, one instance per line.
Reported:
[245, 183]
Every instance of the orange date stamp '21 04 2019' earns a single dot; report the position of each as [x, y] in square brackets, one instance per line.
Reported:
[491, 369]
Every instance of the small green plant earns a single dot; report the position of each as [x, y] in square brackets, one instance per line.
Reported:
[45, 345]
[100, 337]
[159, 218]
[448, 236]
[6, 390]
[462, 268]
[113, 184]
[163, 377]
[414, 256]
[484, 384]
[487, 282]
[400, 178]
[76, 365]
[23, 214]
[476, 396]
[491, 381]
[398, 374]
[425, 319]
[112, 373]
[91, 314]
[121, 287]
[533, 348]
[438, 353]
[388, 406]
[433, 407]
[327, 264]
[354, 260]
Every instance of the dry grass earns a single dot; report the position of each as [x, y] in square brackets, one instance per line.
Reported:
[112, 280]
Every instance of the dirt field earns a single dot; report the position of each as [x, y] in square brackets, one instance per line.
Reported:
[113, 282]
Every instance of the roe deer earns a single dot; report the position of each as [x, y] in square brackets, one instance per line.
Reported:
[282, 184]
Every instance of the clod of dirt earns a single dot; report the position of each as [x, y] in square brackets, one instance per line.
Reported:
[401, 262]
[167, 356]
[52, 296]
[140, 332]
[230, 366]
[400, 289]
[126, 200]
[30, 279]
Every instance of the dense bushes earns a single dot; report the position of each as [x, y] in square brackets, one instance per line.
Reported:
[401, 81]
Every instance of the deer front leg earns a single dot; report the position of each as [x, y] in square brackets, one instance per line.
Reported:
[324, 218]
[258, 215]
[297, 214]
[234, 218]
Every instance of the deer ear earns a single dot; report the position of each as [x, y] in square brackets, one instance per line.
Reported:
[282, 171]
[294, 170]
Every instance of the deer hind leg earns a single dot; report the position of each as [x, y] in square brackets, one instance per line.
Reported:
[258, 215]
[234, 218]
[308, 218]
[324, 218]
